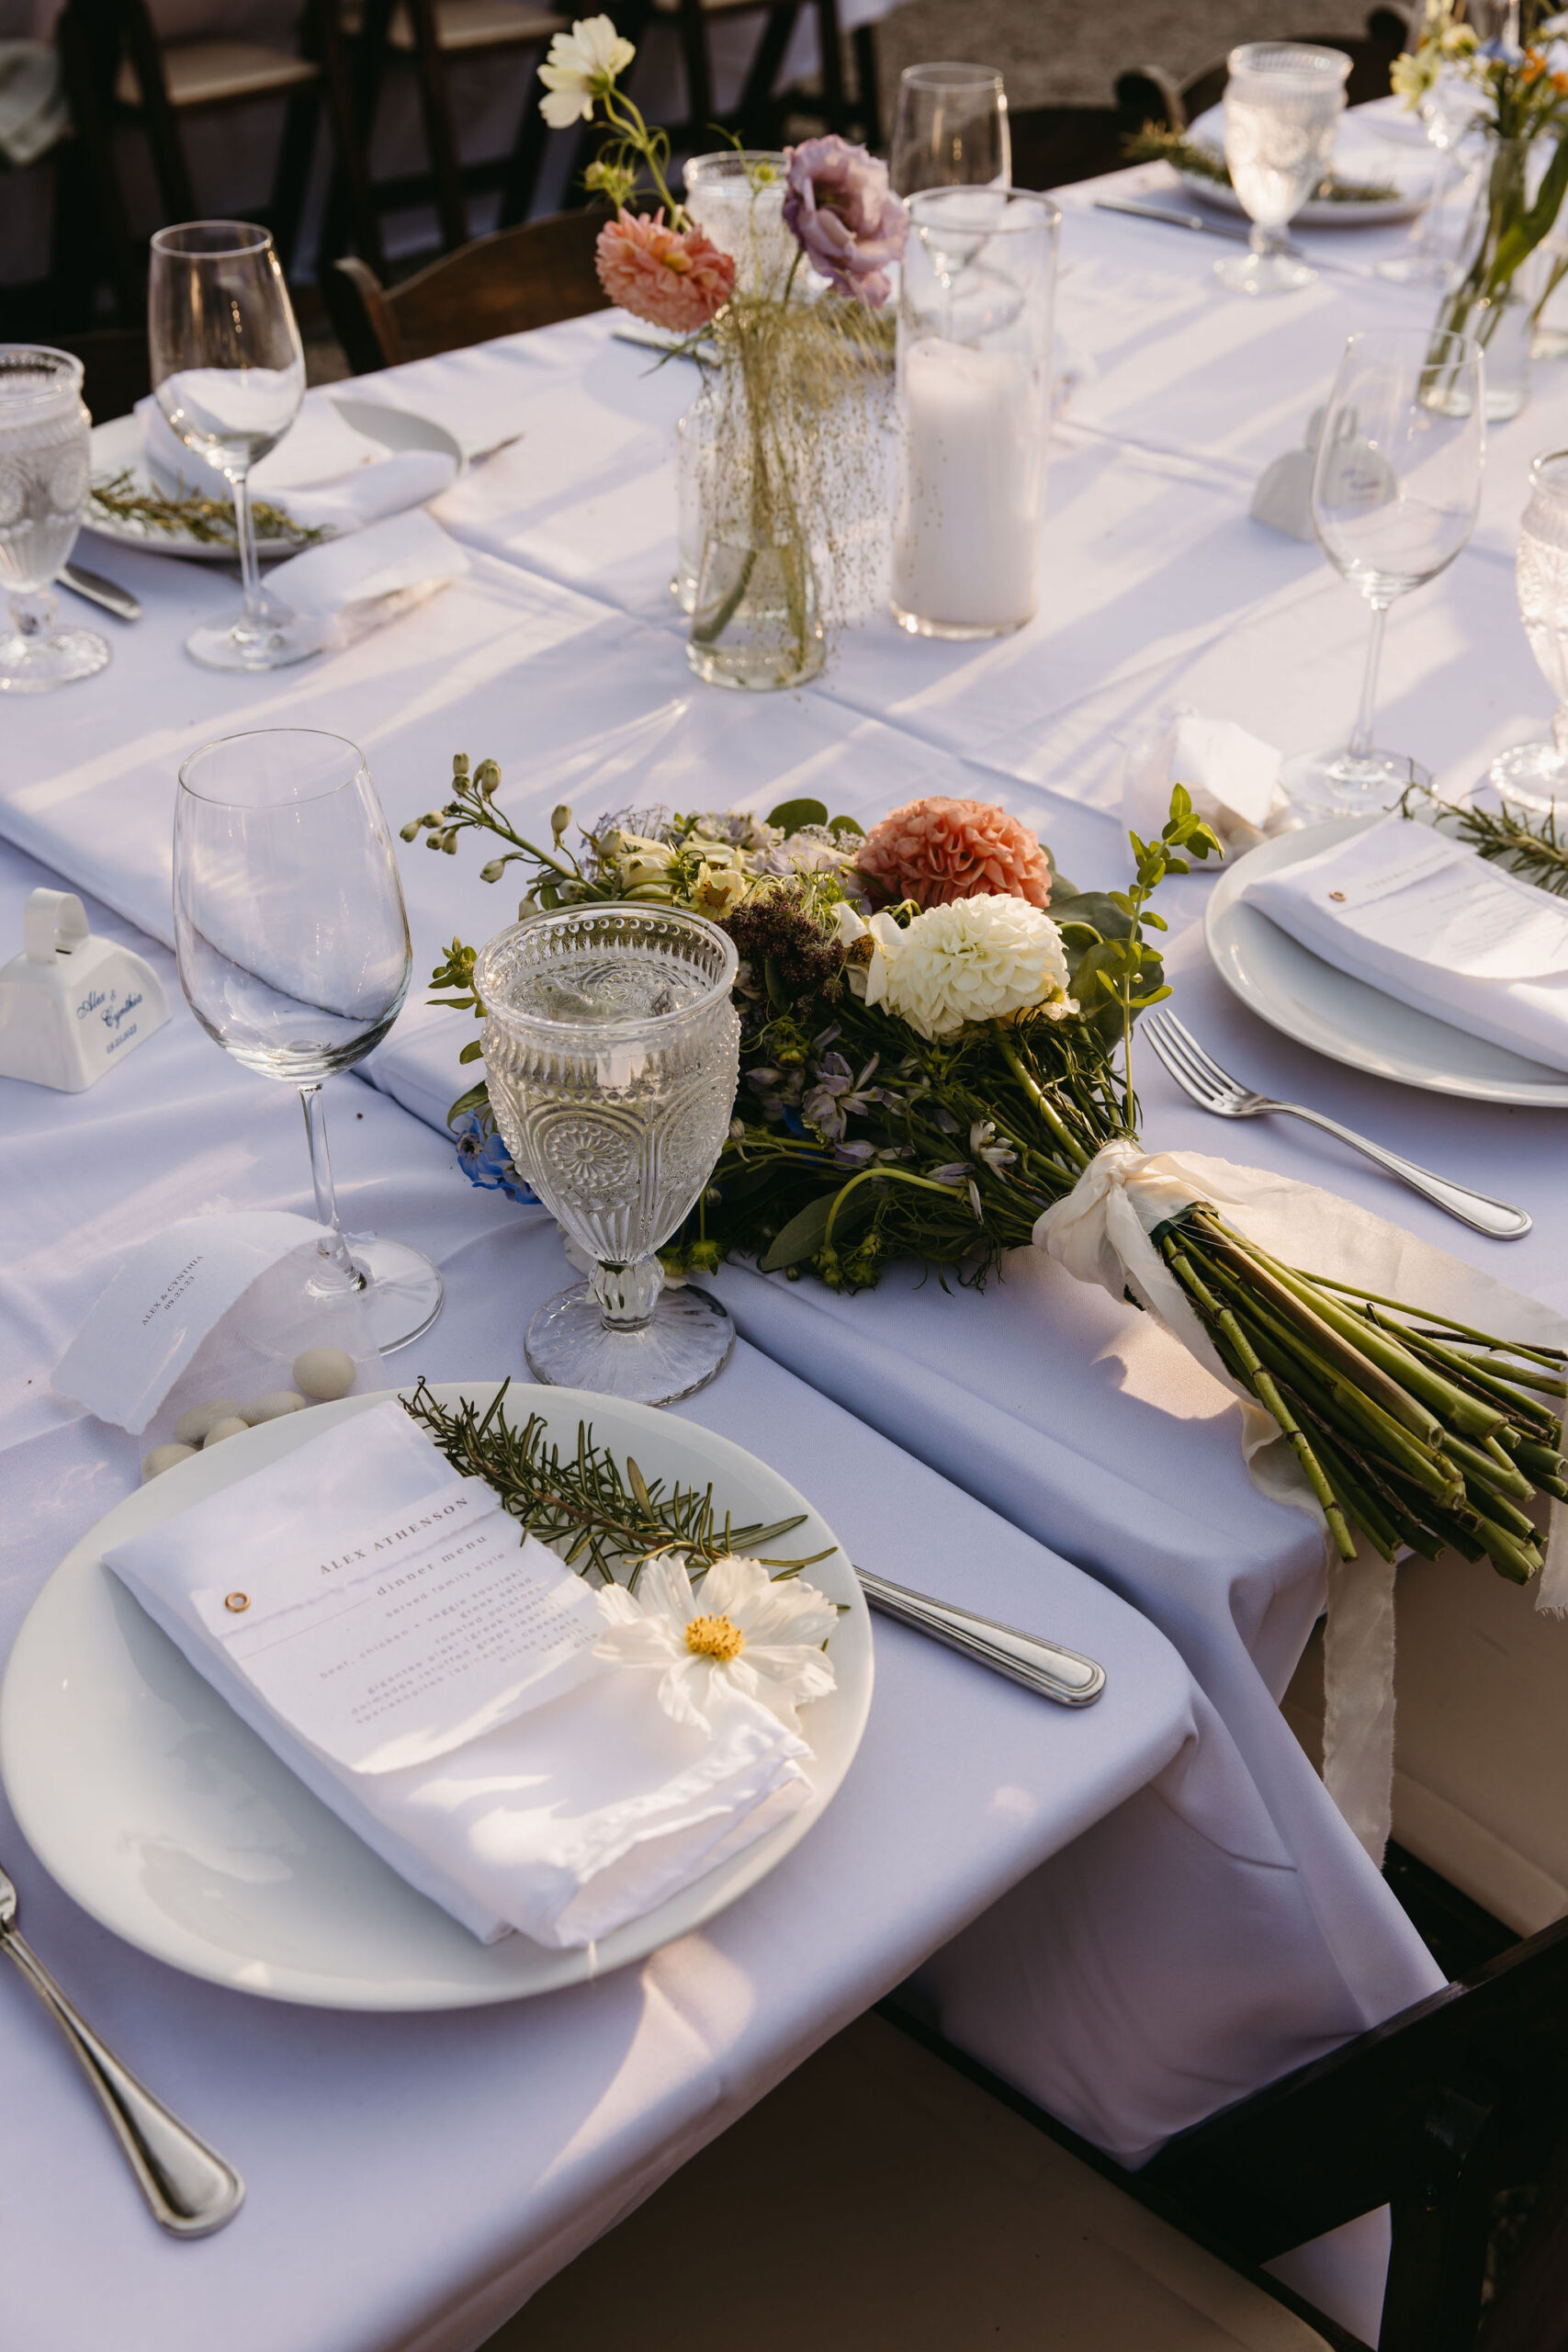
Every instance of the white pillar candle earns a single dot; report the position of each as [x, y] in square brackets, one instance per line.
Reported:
[966, 548]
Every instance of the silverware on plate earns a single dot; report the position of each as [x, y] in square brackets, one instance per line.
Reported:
[108, 593]
[1042, 1666]
[1203, 1080]
[1177, 218]
[191, 2190]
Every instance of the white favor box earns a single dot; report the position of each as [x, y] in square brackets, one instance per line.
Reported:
[71, 1006]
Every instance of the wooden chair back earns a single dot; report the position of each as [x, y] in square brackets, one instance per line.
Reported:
[505, 284]
[1150, 94]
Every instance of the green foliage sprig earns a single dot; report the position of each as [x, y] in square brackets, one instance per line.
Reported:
[599, 1517]
[1529, 846]
[1155, 144]
[120, 498]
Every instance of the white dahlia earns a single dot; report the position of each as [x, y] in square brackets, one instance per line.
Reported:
[977, 959]
[741, 1629]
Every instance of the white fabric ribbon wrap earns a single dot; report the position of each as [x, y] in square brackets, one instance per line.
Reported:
[1100, 1234]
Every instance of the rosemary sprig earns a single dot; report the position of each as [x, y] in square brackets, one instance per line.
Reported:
[598, 1517]
[1530, 846]
[119, 499]
[1155, 144]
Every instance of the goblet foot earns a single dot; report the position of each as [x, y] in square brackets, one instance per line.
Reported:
[1252, 272]
[246, 644]
[1346, 782]
[1531, 776]
[685, 1341]
[35, 665]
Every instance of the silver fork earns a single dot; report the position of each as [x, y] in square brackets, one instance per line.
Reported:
[1201, 1078]
[191, 2190]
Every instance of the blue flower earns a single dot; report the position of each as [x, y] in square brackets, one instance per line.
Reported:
[484, 1159]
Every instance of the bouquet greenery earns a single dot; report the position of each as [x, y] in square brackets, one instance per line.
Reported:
[931, 1063]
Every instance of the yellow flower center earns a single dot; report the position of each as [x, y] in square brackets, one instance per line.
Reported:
[715, 1637]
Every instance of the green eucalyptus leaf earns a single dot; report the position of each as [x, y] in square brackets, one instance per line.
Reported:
[473, 1051]
[792, 814]
[846, 825]
[801, 1236]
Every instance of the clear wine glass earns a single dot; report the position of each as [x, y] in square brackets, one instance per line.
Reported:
[1394, 492]
[1534, 776]
[229, 373]
[43, 495]
[950, 130]
[611, 1051]
[293, 948]
[1282, 101]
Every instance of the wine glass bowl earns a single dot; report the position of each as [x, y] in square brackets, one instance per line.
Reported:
[1282, 101]
[1534, 776]
[228, 376]
[612, 1055]
[44, 480]
[293, 950]
[950, 130]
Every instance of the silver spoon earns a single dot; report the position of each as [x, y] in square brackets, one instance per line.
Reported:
[191, 2190]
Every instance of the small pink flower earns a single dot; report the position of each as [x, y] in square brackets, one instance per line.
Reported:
[938, 850]
[676, 278]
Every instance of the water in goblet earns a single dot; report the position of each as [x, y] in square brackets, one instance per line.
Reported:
[612, 1053]
[43, 494]
[1282, 102]
[1534, 776]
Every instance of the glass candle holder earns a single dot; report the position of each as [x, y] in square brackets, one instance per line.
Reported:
[612, 1049]
[973, 401]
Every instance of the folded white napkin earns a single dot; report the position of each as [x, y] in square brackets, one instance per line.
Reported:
[324, 474]
[579, 1807]
[1428, 920]
[359, 583]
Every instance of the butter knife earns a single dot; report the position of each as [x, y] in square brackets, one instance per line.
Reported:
[1174, 219]
[98, 591]
[1044, 1667]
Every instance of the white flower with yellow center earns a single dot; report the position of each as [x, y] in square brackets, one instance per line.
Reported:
[868, 944]
[742, 1629]
[583, 64]
[717, 890]
[977, 959]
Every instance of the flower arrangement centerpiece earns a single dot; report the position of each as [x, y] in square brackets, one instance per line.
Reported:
[1521, 97]
[792, 480]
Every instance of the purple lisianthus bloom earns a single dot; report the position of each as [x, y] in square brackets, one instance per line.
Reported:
[486, 1162]
[848, 223]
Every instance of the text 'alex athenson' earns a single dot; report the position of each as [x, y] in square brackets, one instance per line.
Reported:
[395, 1536]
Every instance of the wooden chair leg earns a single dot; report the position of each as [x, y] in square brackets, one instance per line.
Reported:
[88, 35]
[832, 48]
[1432, 2303]
[159, 120]
[757, 124]
[521, 175]
[699, 81]
[868, 85]
[440, 135]
[296, 153]
[1531, 2313]
[350, 114]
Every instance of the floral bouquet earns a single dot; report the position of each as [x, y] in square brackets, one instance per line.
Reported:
[796, 397]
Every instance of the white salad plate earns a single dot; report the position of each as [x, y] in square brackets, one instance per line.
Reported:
[1354, 158]
[117, 447]
[163, 1815]
[1347, 1019]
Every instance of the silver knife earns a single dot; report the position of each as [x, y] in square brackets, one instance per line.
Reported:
[1044, 1667]
[99, 591]
[1174, 220]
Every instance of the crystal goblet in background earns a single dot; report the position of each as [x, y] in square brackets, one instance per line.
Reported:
[1282, 101]
[612, 1050]
[1534, 776]
[293, 949]
[43, 495]
[950, 130]
[229, 374]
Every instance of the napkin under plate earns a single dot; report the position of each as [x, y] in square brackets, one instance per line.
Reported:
[1428, 920]
[348, 586]
[573, 1816]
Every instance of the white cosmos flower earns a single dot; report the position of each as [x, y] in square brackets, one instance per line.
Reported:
[977, 959]
[870, 944]
[582, 65]
[742, 1630]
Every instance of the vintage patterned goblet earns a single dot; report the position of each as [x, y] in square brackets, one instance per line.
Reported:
[612, 1049]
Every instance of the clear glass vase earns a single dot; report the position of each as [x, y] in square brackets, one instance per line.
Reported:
[756, 612]
[1490, 301]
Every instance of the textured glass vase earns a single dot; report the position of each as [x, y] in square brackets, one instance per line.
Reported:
[1489, 300]
[611, 1052]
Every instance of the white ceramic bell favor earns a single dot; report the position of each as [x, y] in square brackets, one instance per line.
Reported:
[72, 1006]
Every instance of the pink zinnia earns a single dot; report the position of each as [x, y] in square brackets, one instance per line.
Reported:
[672, 278]
[938, 850]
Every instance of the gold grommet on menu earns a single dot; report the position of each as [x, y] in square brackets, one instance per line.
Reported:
[236, 1601]
[1337, 894]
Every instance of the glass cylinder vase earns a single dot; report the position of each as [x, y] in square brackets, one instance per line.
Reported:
[1489, 299]
[974, 372]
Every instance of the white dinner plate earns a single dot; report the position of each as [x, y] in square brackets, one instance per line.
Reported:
[116, 447]
[1350, 1020]
[165, 1817]
[1352, 161]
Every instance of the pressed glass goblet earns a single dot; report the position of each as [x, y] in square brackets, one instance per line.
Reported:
[1534, 776]
[612, 1050]
[1395, 491]
[293, 949]
[1282, 101]
[229, 373]
[43, 493]
[950, 130]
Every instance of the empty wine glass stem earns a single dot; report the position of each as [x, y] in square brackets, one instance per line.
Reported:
[337, 1270]
[245, 532]
[1361, 735]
